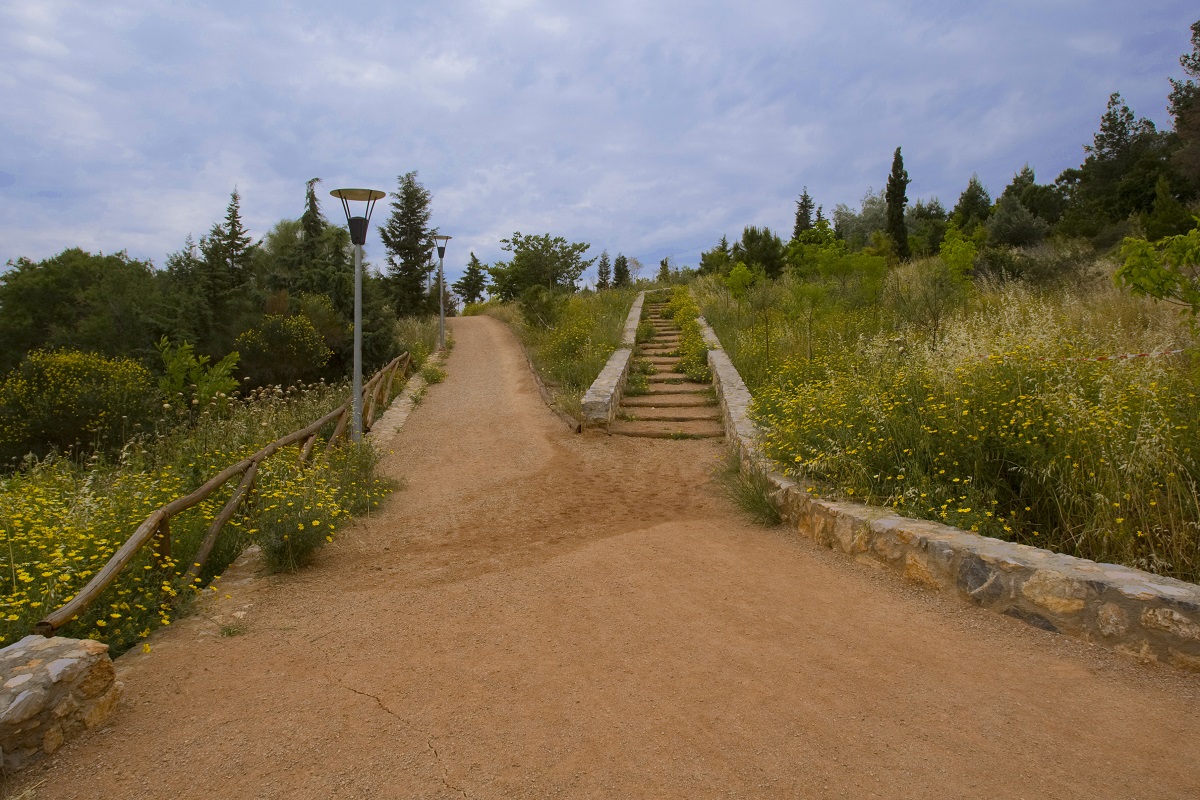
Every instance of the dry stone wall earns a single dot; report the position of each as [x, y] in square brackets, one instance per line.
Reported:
[603, 397]
[54, 690]
[1147, 616]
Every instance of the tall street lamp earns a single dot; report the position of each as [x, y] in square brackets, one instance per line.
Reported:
[441, 246]
[358, 236]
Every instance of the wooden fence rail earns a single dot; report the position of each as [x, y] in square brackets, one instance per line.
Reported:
[156, 528]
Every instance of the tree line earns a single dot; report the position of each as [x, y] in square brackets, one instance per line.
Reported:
[1135, 181]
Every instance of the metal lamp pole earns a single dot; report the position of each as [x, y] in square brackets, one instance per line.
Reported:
[358, 237]
[441, 247]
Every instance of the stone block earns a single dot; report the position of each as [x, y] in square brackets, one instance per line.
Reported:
[1056, 592]
[980, 583]
[917, 568]
[1171, 621]
[103, 708]
[53, 689]
[1112, 620]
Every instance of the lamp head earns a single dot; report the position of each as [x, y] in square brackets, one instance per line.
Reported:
[441, 244]
[358, 224]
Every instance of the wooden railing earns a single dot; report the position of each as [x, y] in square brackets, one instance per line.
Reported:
[156, 528]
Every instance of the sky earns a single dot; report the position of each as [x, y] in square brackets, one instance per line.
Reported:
[646, 127]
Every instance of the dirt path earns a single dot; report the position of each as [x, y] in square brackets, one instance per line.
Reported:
[541, 614]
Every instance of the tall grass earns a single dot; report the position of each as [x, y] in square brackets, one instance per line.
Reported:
[61, 520]
[996, 419]
[568, 338]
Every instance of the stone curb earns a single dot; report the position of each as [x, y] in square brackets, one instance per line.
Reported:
[397, 413]
[1147, 616]
[603, 397]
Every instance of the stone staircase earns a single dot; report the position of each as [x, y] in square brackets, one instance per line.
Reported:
[673, 406]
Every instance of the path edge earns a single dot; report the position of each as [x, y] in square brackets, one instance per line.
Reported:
[603, 397]
[1152, 618]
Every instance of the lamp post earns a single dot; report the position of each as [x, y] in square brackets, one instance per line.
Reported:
[358, 236]
[441, 246]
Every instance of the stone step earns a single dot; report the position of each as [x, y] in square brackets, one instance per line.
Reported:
[666, 361]
[670, 377]
[670, 414]
[677, 388]
[669, 401]
[695, 429]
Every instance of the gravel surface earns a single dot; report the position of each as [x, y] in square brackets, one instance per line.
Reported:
[539, 614]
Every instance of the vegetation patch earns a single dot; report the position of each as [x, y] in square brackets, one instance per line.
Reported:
[62, 519]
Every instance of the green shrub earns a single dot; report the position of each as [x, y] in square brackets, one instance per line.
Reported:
[281, 350]
[56, 400]
[189, 379]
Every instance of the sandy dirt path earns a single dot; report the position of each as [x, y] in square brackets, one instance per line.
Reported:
[540, 614]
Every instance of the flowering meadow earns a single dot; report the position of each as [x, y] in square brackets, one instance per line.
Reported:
[1012, 421]
[61, 519]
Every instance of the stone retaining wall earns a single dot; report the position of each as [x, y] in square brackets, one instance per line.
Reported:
[1149, 617]
[603, 397]
[54, 690]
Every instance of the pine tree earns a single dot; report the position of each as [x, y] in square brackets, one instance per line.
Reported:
[604, 272]
[897, 201]
[408, 240]
[820, 216]
[474, 280]
[664, 270]
[621, 271]
[804, 214]
[974, 206]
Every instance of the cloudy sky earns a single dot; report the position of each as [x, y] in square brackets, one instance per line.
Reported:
[650, 127]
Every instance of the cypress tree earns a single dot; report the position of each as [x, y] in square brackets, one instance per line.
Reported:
[897, 200]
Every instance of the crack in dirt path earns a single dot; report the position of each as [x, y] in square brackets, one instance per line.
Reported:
[587, 616]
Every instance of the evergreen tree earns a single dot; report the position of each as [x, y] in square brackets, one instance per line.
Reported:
[474, 280]
[761, 249]
[1012, 224]
[804, 214]
[1169, 216]
[604, 272]
[621, 271]
[717, 260]
[897, 201]
[820, 216]
[664, 270]
[974, 206]
[927, 220]
[1185, 109]
[1043, 201]
[408, 240]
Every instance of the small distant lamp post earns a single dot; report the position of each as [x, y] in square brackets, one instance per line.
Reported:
[441, 246]
[358, 236]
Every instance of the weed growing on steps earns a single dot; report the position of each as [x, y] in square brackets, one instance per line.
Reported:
[692, 350]
[749, 490]
[636, 385]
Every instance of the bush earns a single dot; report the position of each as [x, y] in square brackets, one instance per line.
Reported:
[282, 349]
[56, 400]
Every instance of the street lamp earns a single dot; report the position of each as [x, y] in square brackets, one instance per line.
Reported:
[441, 246]
[358, 236]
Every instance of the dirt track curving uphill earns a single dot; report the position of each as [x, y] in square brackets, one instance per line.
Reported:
[541, 614]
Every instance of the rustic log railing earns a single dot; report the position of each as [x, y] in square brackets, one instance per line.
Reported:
[156, 529]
